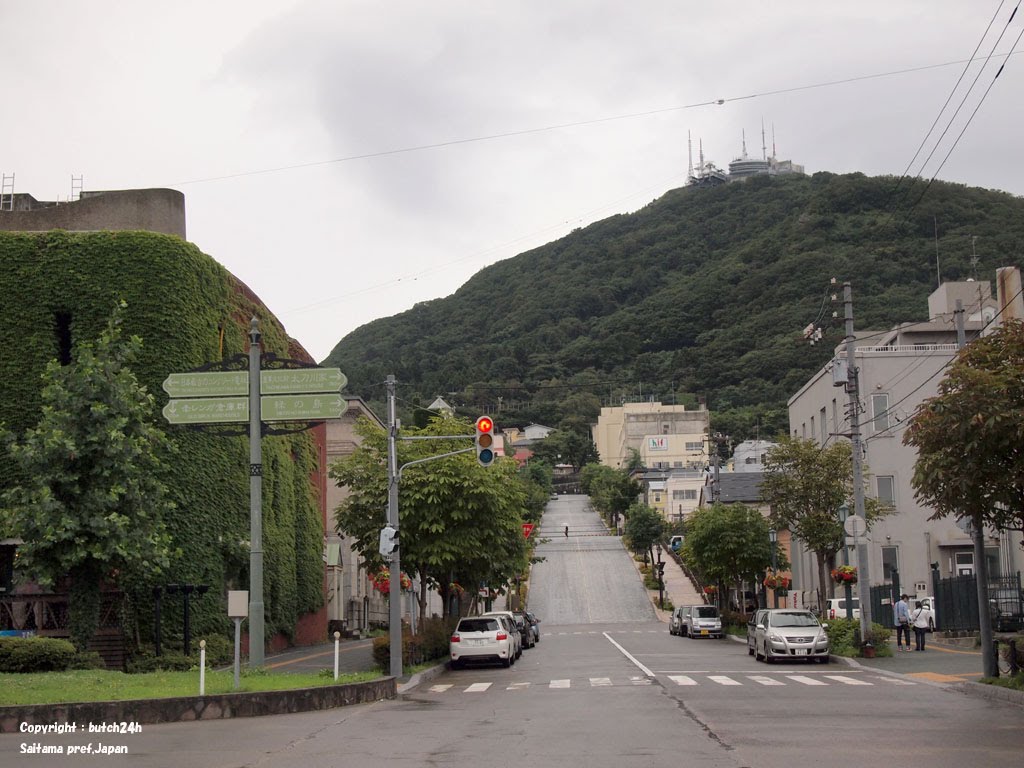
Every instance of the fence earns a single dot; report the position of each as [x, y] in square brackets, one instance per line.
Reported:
[956, 603]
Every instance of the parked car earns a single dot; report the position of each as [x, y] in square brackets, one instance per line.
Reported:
[835, 608]
[704, 621]
[676, 543]
[534, 624]
[787, 633]
[527, 629]
[517, 626]
[482, 639]
[677, 624]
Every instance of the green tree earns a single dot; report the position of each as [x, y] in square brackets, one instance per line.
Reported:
[457, 520]
[970, 437]
[612, 491]
[805, 485]
[566, 447]
[91, 502]
[644, 527]
[728, 544]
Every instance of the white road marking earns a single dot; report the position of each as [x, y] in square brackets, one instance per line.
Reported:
[682, 680]
[439, 688]
[764, 680]
[805, 680]
[630, 656]
[848, 680]
[558, 684]
[894, 680]
[723, 680]
[478, 687]
[597, 682]
[518, 687]
[640, 680]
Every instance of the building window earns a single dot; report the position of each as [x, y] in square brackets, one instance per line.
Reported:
[886, 485]
[665, 428]
[880, 412]
[824, 426]
[677, 465]
[835, 416]
[812, 427]
[695, 446]
[690, 494]
[890, 562]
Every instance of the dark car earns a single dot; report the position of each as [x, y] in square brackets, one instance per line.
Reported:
[525, 629]
[535, 624]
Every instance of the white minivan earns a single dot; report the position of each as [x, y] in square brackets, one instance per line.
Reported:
[835, 608]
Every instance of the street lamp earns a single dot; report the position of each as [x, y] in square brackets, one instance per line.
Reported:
[773, 537]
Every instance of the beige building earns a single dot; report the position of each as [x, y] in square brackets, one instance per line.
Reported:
[664, 436]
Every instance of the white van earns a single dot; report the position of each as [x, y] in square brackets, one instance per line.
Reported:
[835, 608]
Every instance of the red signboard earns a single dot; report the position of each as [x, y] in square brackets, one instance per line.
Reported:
[527, 530]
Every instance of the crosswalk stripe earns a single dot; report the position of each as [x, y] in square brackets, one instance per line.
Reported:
[682, 680]
[640, 680]
[558, 684]
[478, 687]
[439, 688]
[848, 680]
[805, 680]
[723, 680]
[518, 687]
[764, 680]
[597, 682]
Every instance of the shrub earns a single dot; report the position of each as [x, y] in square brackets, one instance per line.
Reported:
[35, 654]
[843, 637]
[219, 650]
[87, 660]
[169, 662]
[430, 643]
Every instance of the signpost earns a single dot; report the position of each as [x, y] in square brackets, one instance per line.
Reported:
[296, 394]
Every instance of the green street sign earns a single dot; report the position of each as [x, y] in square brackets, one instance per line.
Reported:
[302, 407]
[207, 410]
[209, 384]
[296, 381]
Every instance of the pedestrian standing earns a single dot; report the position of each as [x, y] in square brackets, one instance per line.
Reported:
[901, 618]
[920, 622]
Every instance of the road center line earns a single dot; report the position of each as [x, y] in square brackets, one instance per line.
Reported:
[629, 656]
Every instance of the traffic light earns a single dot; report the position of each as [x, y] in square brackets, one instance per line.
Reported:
[485, 441]
[388, 540]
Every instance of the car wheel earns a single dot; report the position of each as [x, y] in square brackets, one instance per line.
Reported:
[757, 654]
[506, 663]
[768, 659]
[823, 659]
[456, 664]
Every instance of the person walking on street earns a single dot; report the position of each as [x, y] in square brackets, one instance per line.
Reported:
[920, 622]
[567, 534]
[901, 618]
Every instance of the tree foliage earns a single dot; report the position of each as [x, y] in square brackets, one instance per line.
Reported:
[458, 521]
[612, 491]
[93, 504]
[805, 484]
[970, 437]
[644, 528]
[728, 544]
[566, 446]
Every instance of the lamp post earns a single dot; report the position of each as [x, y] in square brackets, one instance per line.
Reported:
[773, 537]
[186, 591]
[661, 580]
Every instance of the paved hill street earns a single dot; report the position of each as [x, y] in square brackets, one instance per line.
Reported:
[609, 687]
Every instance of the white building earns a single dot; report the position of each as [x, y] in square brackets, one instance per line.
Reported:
[898, 370]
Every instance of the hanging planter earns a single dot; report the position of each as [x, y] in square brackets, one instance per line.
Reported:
[844, 574]
[710, 590]
[778, 583]
[382, 581]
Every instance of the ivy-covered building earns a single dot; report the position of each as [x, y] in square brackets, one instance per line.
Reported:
[61, 286]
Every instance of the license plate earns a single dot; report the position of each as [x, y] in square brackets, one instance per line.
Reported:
[477, 642]
[803, 651]
[703, 631]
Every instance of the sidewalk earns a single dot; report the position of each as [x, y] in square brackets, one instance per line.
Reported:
[678, 588]
[940, 662]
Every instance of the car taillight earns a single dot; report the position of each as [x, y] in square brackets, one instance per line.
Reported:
[502, 636]
[455, 638]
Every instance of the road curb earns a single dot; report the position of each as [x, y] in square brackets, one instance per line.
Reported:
[422, 677]
[990, 692]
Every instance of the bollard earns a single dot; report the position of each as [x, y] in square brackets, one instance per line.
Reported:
[337, 637]
[202, 667]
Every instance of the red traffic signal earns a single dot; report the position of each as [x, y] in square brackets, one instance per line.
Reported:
[485, 441]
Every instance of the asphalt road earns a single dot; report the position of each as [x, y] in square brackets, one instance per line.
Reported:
[609, 693]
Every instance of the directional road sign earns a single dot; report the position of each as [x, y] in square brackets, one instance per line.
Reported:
[278, 381]
[302, 407]
[296, 381]
[207, 410]
[209, 384]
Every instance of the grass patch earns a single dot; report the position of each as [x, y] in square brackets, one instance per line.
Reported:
[103, 685]
[1015, 683]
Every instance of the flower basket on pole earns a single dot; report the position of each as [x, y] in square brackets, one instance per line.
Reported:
[844, 574]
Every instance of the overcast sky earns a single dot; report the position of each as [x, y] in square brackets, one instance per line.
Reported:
[349, 158]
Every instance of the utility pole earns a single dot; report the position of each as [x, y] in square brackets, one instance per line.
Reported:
[395, 591]
[989, 662]
[853, 389]
[256, 631]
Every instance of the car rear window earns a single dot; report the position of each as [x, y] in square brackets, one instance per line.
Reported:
[478, 625]
[705, 612]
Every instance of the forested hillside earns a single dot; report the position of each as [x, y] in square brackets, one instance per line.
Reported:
[702, 294]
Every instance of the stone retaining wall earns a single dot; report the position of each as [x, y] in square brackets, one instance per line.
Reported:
[185, 708]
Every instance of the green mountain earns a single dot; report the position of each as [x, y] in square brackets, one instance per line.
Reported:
[699, 296]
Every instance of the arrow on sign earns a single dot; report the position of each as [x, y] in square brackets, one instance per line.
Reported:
[527, 530]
